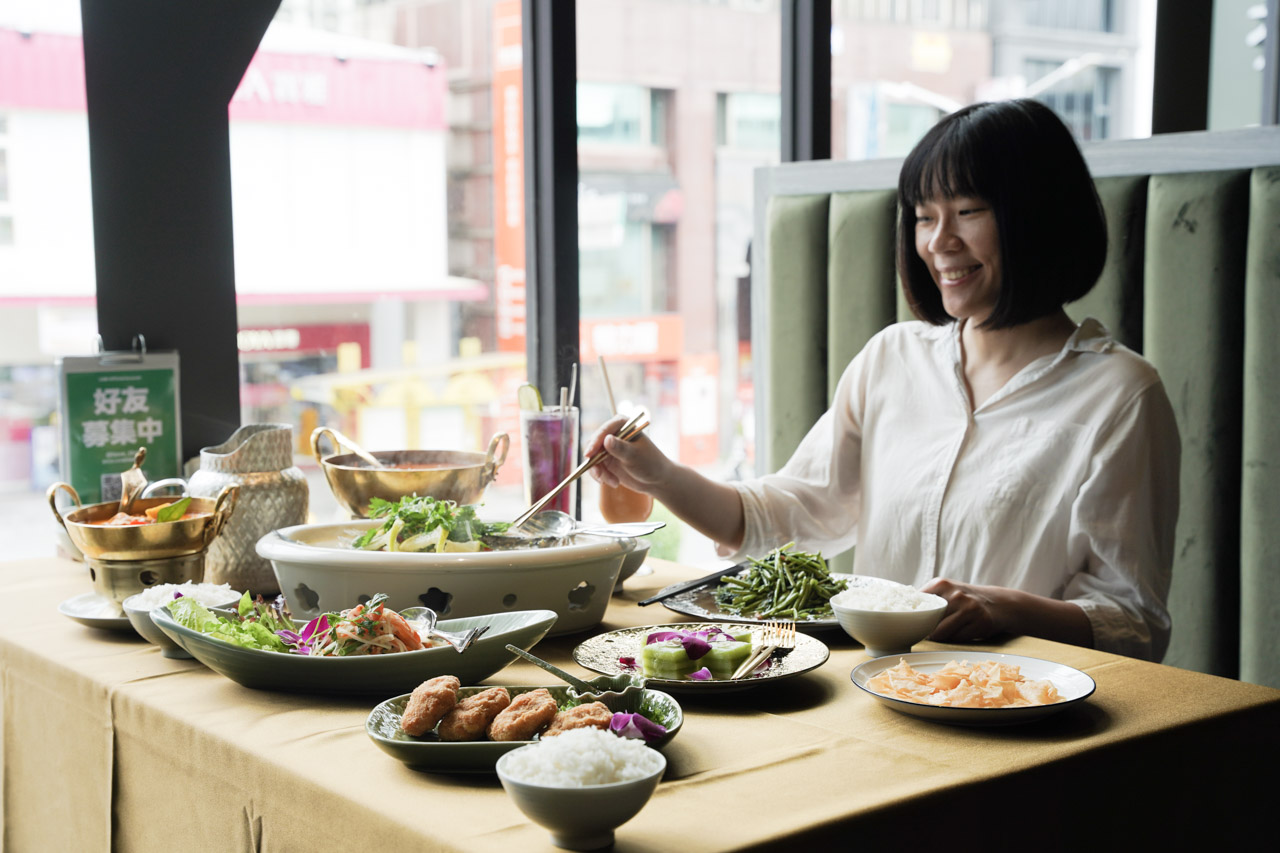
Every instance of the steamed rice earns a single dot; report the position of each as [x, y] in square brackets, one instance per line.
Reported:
[886, 597]
[208, 594]
[582, 757]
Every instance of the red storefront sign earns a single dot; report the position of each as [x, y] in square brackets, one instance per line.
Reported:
[304, 339]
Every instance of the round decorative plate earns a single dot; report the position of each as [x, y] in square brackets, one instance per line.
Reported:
[700, 603]
[95, 611]
[1073, 685]
[603, 654]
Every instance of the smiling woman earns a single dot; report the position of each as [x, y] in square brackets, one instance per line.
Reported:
[995, 454]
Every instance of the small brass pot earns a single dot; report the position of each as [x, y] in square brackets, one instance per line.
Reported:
[143, 541]
[456, 475]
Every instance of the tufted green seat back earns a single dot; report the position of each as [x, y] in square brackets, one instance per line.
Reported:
[1192, 281]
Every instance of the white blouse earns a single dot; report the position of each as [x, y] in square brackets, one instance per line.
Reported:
[1064, 483]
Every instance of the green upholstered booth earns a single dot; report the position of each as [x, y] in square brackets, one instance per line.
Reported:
[1192, 281]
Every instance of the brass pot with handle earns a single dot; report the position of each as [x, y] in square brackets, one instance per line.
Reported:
[456, 475]
[126, 559]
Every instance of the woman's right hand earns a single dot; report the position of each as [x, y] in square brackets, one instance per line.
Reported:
[637, 464]
[713, 509]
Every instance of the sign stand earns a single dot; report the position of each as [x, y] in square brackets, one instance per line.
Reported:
[109, 405]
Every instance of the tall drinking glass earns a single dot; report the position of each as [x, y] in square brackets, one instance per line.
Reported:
[550, 441]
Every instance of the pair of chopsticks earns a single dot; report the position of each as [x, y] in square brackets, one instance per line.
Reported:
[629, 432]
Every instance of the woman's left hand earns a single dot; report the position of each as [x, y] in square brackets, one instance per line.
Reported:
[973, 612]
[976, 613]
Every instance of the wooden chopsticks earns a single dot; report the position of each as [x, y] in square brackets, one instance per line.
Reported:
[629, 432]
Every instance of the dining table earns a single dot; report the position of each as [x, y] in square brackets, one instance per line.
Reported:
[108, 745]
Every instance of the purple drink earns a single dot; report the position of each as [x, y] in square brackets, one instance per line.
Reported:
[550, 442]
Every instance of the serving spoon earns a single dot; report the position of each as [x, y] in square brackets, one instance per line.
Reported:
[553, 522]
[343, 441]
[423, 620]
[132, 482]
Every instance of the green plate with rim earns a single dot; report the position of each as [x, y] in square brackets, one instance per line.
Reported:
[430, 753]
[365, 674]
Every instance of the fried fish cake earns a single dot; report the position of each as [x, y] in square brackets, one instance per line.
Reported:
[528, 714]
[472, 715]
[594, 715]
[428, 704]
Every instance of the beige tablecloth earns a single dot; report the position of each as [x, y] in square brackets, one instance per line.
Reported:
[108, 745]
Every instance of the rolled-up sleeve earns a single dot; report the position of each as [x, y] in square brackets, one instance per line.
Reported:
[815, 499]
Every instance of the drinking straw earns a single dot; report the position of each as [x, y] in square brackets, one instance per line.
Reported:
[613, 406]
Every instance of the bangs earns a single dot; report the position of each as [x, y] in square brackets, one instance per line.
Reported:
[942, 167]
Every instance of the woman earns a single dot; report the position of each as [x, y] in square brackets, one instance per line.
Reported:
[994, 453]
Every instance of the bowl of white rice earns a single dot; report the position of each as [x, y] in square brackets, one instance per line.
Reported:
[138, 608]
[581, 785]
[887, 618]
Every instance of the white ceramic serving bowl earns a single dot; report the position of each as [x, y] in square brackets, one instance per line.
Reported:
[580, 818]
[319, 571]
[886, 632]
[633, 561]
[140, 619]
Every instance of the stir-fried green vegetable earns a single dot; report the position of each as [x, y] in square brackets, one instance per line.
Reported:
[425, 524]
[782, 585]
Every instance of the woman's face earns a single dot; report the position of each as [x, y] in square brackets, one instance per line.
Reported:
[959, 242]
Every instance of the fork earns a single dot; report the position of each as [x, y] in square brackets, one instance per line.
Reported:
[777, 636]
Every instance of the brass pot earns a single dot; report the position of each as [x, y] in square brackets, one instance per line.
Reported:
[143, 541]
[456, 475]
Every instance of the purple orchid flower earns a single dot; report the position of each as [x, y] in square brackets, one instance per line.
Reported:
[637, 727]
[301, 643]
[703, 674]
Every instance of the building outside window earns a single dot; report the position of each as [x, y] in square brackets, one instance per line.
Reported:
[379, 241]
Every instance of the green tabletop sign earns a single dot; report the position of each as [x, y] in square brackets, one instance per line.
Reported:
[112, 404]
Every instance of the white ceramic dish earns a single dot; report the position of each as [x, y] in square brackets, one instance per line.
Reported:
[632, 562]
[318, 570]
[1073, 685]
[94, 611]
[579, 818]
[886, 632]
[141, 620]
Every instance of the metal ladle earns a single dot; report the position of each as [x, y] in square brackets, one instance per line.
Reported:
[423, 620]
[132, 482]
[554, 523]
[365, 456]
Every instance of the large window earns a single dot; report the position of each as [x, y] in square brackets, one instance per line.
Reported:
[46, 252]
[377, 149]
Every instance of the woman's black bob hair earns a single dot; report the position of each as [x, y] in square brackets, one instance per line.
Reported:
[1020, 159]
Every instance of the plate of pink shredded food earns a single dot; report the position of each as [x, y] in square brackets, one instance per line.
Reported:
[987, 690]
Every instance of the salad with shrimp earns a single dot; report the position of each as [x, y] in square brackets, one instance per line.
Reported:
[366, 629]
[425, 524]
[370, 628]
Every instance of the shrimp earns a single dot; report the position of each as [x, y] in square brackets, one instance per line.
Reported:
[403, 631]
